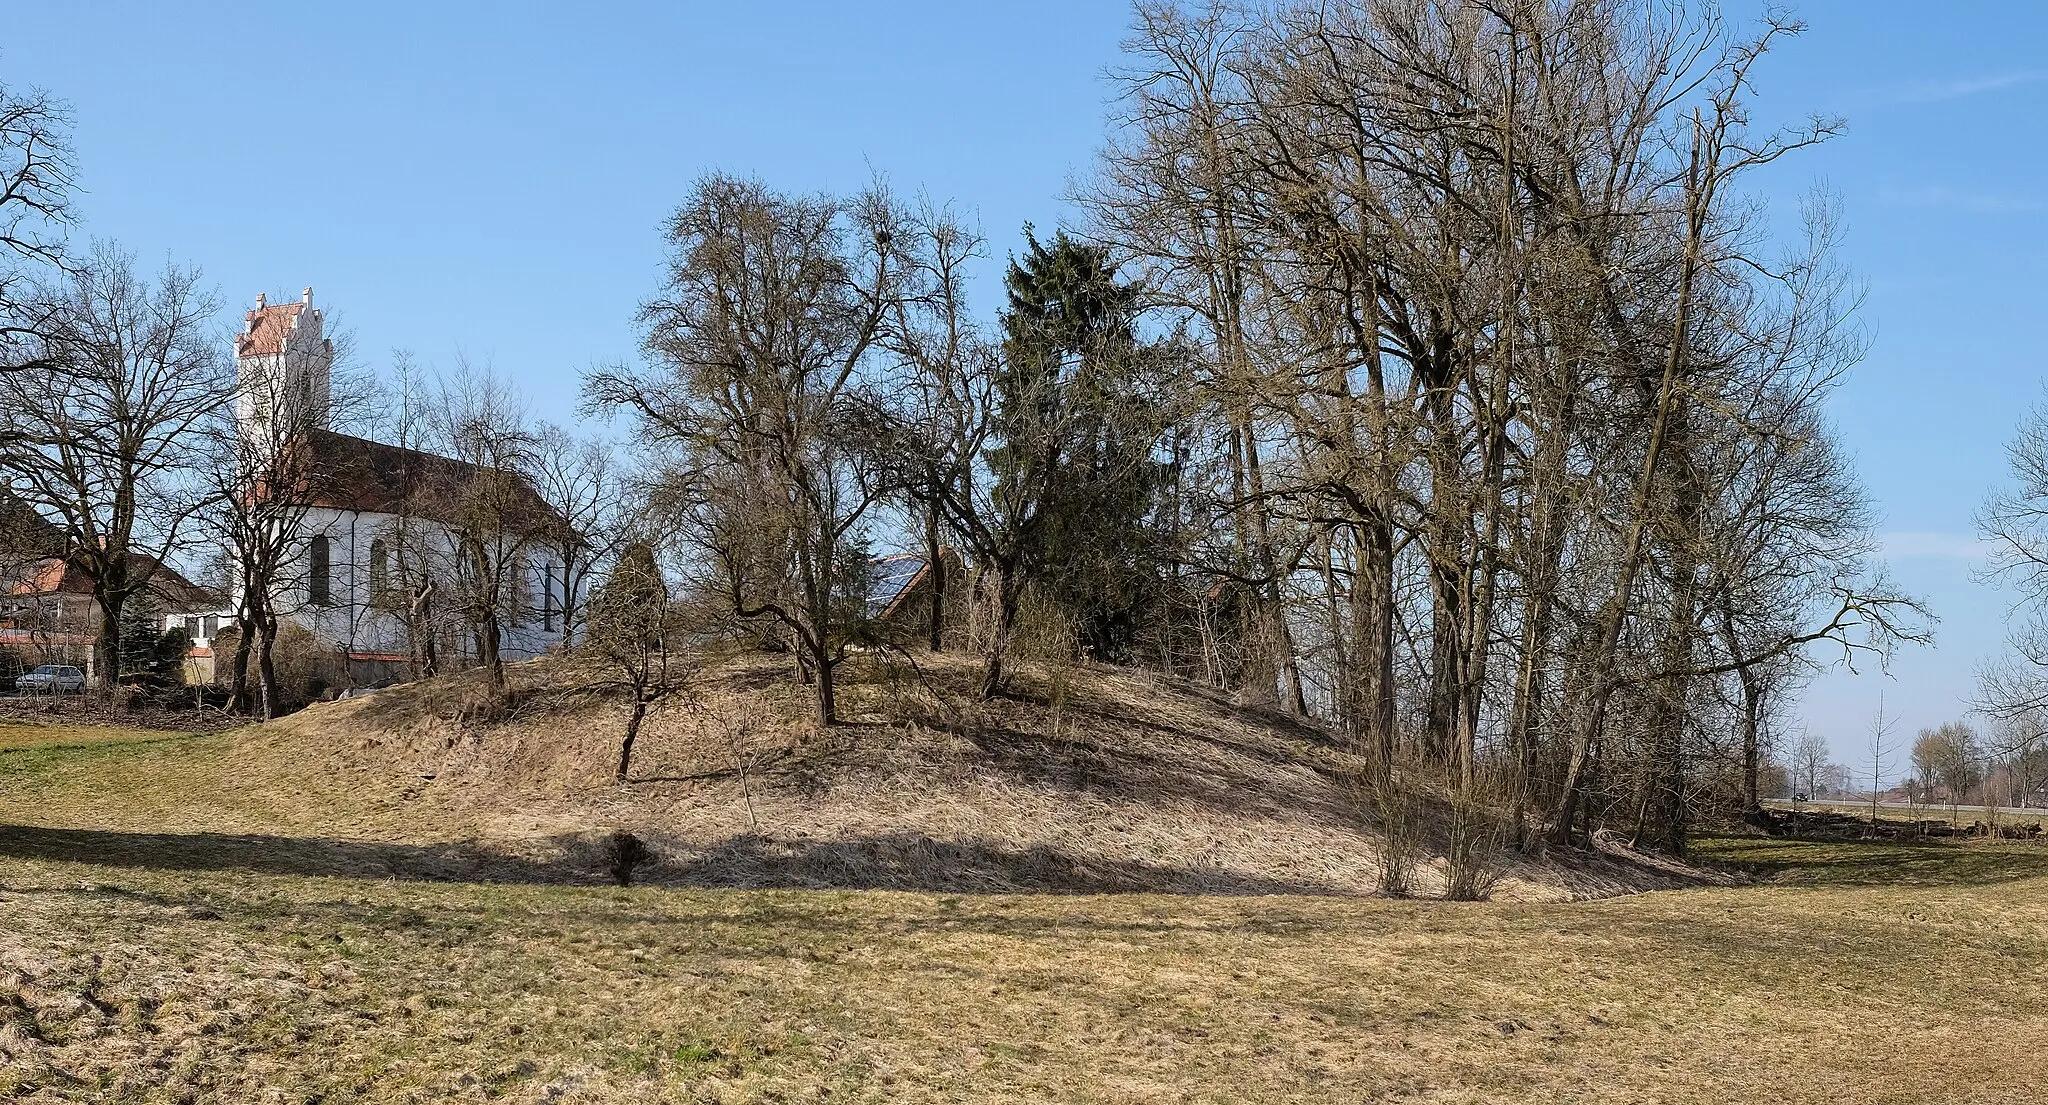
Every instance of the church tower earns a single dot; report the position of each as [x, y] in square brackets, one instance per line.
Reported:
[283, 362]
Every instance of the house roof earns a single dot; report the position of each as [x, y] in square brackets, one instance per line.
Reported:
[54, 576]
[51, 576]
[353, 473]
[899, 578]
[264, 329]
[895, 577]
[24, 531]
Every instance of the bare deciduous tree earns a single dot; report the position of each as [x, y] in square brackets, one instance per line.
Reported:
[1520, 427]
[490, 514]
[581, 479]
[106, 443]
[631, 623]
[1809, 765]
[265, 472]
[764, 340]
[36, 180]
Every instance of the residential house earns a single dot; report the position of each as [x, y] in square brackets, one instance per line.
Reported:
[48, 614]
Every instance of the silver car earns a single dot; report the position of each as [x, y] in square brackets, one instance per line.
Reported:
[51, 679]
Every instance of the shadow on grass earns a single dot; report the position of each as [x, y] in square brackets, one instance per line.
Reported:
[913, 861]
[1879, 863]
[895, 861]
[278, 855]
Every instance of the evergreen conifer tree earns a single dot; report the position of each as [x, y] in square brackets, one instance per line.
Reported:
[1078, 423]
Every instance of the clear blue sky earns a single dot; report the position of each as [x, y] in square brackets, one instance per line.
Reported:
[489, 179]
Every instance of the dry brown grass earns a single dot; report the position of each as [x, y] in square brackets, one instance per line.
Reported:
[171, 713]
[260, 916]
[158, 984]
[1084, 780]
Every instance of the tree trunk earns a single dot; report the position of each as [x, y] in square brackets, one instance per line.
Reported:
[1271, 673]
[1600, 684]
[1542, 571]
[1447, 567]
[824, 687]
[106, 651]
[570, 573]
[270, 697]
[935, 563]
[999, 641]
[1372, 614]
[632, 733]
[1660, 819]
[489, 639]
[1752, 711]
[1528, 705]
[238, 678]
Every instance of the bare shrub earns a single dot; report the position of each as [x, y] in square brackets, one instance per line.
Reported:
[1398, 811]
[1475, 849]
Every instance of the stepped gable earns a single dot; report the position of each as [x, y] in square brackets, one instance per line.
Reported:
[265, 329]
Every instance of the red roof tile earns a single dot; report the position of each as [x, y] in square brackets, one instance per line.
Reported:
[53, 576]
[264, 329]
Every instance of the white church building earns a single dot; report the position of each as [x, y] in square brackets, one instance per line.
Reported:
[375, 509]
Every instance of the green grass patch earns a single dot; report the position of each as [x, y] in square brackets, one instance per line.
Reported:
[1931, 863]
[20, 736]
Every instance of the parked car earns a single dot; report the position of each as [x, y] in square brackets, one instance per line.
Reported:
[51, 679]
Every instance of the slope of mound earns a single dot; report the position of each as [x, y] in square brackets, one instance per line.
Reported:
[1081, 780]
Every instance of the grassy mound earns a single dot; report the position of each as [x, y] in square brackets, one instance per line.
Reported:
[1081, 780]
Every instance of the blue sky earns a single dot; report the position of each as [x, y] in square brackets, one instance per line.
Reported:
[488, 180]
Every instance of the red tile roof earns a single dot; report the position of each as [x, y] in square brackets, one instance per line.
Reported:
[264, 329]
[54, 576]
[353, 473]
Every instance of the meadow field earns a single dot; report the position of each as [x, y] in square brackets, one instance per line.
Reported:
[190, 965]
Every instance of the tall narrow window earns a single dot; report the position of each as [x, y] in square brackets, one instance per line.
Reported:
[380, 572]
[522, 593]
[319, 575]
[547, 597]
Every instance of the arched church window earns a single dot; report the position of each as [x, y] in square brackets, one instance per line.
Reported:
[547, 597]
[522, 593]
[319, 573]
[380, 571]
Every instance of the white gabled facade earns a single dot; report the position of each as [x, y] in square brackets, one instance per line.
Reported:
[341, 585]
[353, 606]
